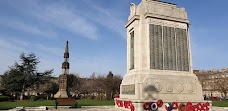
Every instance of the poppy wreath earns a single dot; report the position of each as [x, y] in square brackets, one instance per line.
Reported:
[168, 106]
[190, 108]
[146, 106]
[181, 107]
[154, 106]
[189, 103]
[126, 104]
[175, 105]
[196, 107]
[199, 106]
[205, 106]
[159, 103]
[132, 107]
[116, 102]
[119, 103]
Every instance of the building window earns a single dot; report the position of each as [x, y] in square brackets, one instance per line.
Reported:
[132, 60]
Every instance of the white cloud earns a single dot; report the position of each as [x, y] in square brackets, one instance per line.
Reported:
[84, 22]
[59, 15]
[65, 18]
[105, 17]
[27, 28]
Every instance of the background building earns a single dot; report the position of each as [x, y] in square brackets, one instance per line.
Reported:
[214, 82]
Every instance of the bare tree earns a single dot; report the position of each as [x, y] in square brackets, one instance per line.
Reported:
[221, 83]
[101, 86]
[109, 85]
[73, 83]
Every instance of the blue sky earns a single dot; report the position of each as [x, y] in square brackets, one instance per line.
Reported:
[96, 33]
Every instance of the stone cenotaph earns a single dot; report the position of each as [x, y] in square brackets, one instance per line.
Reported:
[159, 61]
[62, 93]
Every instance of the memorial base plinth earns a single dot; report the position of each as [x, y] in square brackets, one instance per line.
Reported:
[139, 105]
[61, 94]
[140, 87]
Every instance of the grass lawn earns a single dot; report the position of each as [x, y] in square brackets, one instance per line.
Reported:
[10, 105]
[220, 104]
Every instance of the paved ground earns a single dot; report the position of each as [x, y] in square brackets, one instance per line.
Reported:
[220, 108]
[92, 108]
[102, 108]
[88, 108]
[111, 108]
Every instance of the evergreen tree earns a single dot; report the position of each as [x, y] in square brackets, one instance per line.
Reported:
[24, 75]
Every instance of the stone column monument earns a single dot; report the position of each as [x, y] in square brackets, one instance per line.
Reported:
[62, 93]
[159, 61]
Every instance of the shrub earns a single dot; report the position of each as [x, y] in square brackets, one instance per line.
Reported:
[4, 98]
[26, 97]
[41, 97]
[33, 98]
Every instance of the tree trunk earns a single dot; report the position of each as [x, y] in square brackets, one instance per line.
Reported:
[111, 95]
[47, 96]
[225, 93]
[22, 92]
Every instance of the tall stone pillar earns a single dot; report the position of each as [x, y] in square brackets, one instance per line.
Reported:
[159, 60]
[62, 93]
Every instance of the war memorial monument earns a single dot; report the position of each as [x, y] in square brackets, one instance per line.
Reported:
[159, 61]
[62, 93]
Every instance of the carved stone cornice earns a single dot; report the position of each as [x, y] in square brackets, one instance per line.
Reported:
[152, 15]
[135, 17]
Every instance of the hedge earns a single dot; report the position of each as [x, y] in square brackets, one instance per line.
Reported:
[4, 98]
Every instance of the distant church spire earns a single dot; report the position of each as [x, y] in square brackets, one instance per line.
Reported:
[65, 64]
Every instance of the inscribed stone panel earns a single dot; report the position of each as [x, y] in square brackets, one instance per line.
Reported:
[152, 46]
[160, 48]
[156, 51]
[166, 42]
[185, 50]
[178, 48]
[169, 48]
[132, 63]
[173, 49]
[128, 89]
[182, 50]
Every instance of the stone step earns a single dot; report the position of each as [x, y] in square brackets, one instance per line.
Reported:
[219, 108]
[40, 108]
